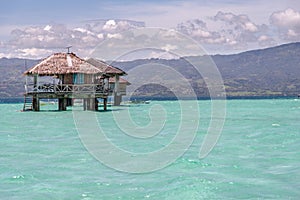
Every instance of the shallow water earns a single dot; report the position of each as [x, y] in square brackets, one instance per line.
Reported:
[256, 157]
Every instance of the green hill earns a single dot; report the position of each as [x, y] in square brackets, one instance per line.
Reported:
[11, 76]
[267, 72]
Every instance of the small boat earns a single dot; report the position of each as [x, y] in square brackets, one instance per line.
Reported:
[139, 102]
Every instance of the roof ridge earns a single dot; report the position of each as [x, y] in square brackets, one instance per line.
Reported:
[66, 63]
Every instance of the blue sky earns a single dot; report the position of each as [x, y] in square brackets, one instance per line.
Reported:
[222, 26]
[35, 11]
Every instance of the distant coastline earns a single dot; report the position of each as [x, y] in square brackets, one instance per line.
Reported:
[20, 100]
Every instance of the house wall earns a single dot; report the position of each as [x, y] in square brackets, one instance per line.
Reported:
[122, 87]
[68, 79]
[88, 79]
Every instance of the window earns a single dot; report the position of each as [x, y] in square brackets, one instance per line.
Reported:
[78, 78]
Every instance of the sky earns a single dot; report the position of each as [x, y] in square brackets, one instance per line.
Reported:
[35, 29]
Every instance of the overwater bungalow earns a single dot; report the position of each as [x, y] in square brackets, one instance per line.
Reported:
[66, 77]
[118, 90]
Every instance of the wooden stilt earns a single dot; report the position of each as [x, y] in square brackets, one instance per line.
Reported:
[96, 104]
[62, 104]
[35, 100]
[69, 102]
[117, 99]
[35, 104]
[105, 104]
[88, 104]
[92, 104]
[38, 104]
[84, 104]
[65, 103]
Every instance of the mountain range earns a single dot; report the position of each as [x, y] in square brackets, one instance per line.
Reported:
[272, 71]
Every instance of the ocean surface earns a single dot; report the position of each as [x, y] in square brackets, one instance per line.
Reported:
[257, 156]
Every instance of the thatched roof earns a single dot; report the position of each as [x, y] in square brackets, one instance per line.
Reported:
[106, 68]
[63, 63]
[121, 80]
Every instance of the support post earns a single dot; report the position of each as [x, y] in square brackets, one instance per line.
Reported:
[117, 97]
[92, 104]
[70, 102]
[117, 100]
[105, 104]
[88, 104]
[84, 104]
[35, 83]
[62, 104]
[96, 104]
[35, 103]
[35, 98]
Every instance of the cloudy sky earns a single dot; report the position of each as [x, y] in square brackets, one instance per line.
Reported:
[34, 29]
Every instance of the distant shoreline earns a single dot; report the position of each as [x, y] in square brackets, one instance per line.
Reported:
[16, 100]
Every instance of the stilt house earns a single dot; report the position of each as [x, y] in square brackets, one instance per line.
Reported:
[65, 76]
[117, 85]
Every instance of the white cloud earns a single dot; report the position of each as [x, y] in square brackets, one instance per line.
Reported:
[250, 27]
[227, 17]
[7, 55]
[225, 30]
[110, 25]
[82, 30]
[33, 40]
[239, 22]
[218, 40]
[287, 23]
[115, 36]
[33, 52]
[231, 42]
[169, 47]
[89, 39]
[286, 18]
[198, 30]
[190, 26]
[232, 31]
[292, 33]
[169, 34]
[100, 35]
[266, 41]
[263, 38]
[47, 28]
[201, 33]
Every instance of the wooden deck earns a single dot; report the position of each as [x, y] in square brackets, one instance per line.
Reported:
[65, 93]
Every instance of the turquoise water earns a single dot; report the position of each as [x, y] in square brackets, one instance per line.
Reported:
[256, 157]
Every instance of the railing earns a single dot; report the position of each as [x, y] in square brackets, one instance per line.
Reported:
[67, 88]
